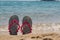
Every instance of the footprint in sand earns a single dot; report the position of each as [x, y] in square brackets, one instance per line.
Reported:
[38, 37]
[35, 37]
[21, 39]
[47, 39]
[32, 37]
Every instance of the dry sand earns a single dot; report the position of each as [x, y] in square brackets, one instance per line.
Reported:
[48, 36]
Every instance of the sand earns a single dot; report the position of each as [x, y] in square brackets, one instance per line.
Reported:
[48, 36]
[39, 32]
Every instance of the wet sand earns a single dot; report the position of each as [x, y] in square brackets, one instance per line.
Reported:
[39, 32]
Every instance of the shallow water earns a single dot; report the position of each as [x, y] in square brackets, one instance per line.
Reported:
[40, 12]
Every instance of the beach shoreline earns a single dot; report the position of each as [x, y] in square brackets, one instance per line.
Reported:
[36, 28]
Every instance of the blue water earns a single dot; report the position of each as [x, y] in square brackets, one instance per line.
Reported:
[40, 12]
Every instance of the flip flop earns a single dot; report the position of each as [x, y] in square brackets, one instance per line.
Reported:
[27, 25]
[13, 25]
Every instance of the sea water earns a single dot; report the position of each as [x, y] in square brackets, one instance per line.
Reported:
[39, 11]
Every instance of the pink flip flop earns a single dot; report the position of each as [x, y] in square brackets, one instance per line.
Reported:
[26, 25]
[13, 25]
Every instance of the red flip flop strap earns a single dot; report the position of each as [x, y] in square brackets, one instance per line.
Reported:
[18, 27]
[13, 21]
[27, 24]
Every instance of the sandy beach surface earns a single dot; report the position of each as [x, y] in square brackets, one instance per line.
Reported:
[48, 36]
[39, 32]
